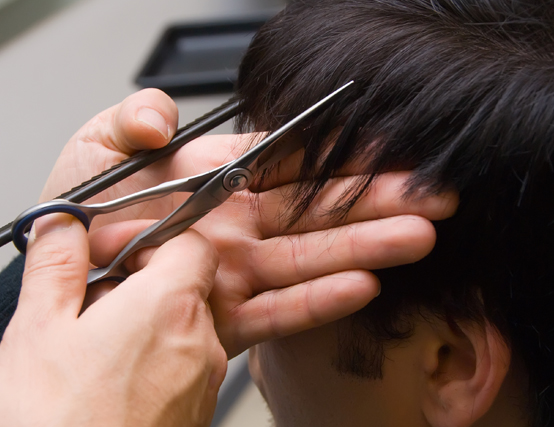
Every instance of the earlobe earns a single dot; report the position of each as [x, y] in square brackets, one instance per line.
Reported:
[465, 368]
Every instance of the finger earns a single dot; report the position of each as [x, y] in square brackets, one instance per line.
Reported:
[56, 267]
[106, 242]
[289, 169]
[284, 261]
[192, 158]
[169, 295]
[385, 199]
[185, 265]
[161, 309]
[145, 120]
[222, 149]
[173, 288]
[285, 172]
[282, 312]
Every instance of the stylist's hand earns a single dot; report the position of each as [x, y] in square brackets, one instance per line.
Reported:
[269, 283]
[145, 355]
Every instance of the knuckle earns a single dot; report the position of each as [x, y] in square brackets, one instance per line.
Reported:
[51, 259]
[269, 312]
[314, 319]
[218, 358]
[204, 251]
[180, 307]
[220, 368]
[185, 315]
[355, 241]
[96, 128]
[300, 250]
[210, 253]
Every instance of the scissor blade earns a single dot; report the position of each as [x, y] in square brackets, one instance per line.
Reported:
[213, 192]
[249, 159]
[282, 148]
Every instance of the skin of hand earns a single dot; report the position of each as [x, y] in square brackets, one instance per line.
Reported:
[145, 355]
[269, 283]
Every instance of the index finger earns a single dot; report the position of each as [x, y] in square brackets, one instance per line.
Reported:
[212, 151]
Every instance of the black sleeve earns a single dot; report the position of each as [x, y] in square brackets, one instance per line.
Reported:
[10, 286]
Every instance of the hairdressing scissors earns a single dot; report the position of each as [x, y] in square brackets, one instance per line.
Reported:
[209, 190]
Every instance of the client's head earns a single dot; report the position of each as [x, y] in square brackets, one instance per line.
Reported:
[461, 92]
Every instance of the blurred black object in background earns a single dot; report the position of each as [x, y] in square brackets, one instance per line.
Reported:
[197, 59]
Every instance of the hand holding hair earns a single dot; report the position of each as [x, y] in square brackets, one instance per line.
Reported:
[272, 281]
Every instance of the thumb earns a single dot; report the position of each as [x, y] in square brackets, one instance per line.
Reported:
[54, 280]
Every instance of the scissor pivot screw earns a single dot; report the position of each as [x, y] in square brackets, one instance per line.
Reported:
[237, 180]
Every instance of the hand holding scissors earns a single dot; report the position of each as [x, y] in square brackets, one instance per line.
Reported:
[210, 190]
[257, 260]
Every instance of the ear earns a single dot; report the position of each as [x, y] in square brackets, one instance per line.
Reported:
[465, 365]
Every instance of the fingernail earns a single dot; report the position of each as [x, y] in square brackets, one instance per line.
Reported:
[51, 224]
[153, 119]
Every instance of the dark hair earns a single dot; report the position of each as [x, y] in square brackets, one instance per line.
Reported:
[462, 93]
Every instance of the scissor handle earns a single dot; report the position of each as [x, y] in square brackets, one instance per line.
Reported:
[23, 222]
[142, 159]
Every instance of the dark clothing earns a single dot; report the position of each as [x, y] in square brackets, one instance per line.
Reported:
[10, 286]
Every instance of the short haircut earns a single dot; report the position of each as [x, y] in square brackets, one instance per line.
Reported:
[461, 92]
